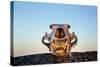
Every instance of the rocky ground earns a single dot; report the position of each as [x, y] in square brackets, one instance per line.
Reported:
[48, 58]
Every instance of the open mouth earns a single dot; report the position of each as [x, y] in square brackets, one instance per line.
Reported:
[60, 48]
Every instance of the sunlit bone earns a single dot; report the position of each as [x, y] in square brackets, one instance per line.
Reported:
[60, 41]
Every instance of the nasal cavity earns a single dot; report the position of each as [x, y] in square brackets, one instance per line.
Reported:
[60, 33]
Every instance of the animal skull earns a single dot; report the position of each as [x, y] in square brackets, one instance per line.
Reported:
[60, 40]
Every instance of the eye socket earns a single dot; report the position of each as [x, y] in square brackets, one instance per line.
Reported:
[50, 26]
[68, 26]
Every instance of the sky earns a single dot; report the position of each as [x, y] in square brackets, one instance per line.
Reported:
[32, 20]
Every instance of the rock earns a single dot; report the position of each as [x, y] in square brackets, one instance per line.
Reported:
[48, 58]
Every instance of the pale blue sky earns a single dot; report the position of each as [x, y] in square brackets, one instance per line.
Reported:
[32, 20]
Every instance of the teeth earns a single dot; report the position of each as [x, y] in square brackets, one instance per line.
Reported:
[57, 44]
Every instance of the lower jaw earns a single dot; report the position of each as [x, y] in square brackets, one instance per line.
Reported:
[60, 53]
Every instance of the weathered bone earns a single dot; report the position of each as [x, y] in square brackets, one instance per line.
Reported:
[60, 47]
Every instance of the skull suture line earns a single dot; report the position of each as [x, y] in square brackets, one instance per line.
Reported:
[60, 40]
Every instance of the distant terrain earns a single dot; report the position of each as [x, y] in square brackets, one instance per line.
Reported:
[48, 58]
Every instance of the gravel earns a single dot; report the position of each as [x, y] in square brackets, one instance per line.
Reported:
[48, 58]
